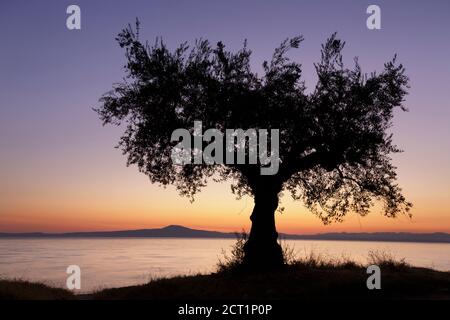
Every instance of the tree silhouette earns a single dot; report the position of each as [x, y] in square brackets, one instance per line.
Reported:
[334, 142]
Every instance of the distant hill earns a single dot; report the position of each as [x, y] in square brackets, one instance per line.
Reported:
[172, 231]
[175, 231]
[377, 236]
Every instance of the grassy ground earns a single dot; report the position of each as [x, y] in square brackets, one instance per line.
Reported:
[24, 290]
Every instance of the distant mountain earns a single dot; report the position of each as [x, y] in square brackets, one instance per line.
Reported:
[377, 236]
[175, 231]
[172, 231]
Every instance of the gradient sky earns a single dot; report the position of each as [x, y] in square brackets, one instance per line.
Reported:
[59, 170]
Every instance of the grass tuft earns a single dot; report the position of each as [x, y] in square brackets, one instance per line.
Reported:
[387, 260]
[234, 261]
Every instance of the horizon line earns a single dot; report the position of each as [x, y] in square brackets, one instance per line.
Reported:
[215, 231]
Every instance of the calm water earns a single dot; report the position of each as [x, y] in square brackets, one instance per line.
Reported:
[119, 262]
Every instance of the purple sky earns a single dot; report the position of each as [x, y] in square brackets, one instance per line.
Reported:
[51, 77]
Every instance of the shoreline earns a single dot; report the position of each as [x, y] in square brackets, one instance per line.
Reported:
[341, 281]
[307, 238]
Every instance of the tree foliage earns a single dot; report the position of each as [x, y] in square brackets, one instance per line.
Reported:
[335, 149]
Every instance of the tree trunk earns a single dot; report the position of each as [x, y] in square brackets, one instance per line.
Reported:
[262, 250]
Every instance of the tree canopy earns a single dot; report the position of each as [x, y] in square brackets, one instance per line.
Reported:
[335, 147]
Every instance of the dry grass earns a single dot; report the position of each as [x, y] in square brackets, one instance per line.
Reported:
[387, 260]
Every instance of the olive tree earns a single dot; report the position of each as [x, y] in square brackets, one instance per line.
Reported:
[334, 145]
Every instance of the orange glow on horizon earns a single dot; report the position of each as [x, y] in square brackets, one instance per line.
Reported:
[214, 209]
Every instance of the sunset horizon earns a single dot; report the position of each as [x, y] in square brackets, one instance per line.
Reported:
[225, 158]
[61, 173]
[225, 230]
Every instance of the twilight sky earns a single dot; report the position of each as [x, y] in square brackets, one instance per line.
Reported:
[59, 170]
